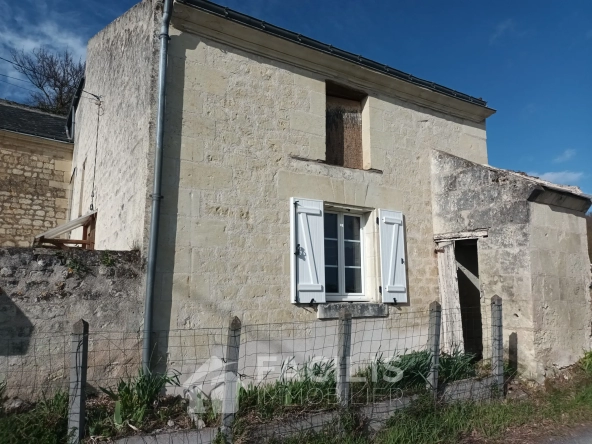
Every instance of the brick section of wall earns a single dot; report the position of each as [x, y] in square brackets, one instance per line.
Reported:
[34, 187]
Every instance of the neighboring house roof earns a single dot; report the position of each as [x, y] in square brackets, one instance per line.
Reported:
[299, 39]
[28, 120]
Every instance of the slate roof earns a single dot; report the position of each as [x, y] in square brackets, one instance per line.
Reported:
[27, 120]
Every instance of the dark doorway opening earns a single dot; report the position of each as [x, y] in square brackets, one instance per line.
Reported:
[469, 292]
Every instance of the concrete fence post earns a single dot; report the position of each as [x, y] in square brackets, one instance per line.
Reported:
[497, 343]
[78, 367]
[230, 400]
[434, 345]
[344, 332]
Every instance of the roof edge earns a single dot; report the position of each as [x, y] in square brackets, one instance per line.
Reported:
[262, 26]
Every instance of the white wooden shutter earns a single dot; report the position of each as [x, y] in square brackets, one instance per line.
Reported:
[307, 251]
[392, 256]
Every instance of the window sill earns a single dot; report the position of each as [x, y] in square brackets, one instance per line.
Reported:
[305, 159]
[357, 309]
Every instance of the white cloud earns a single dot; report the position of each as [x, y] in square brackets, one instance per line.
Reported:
[29, 25]
[560, 177]
[565, 156]
[502, 28]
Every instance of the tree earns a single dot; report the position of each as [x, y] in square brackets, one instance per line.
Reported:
[56, 76]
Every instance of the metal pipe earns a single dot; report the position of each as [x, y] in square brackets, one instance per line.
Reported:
[154, 218]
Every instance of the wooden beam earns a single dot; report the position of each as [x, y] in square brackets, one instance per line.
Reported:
[461, 235]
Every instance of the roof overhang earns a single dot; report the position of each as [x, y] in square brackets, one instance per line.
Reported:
[559, 198]
[242, 31]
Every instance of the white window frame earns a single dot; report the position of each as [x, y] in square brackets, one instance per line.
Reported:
[342, 296]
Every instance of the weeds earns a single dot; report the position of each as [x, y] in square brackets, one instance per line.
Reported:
[456, 365]
[46, 423]
[312, 384]
[137, 396]
[75, 265]
[106, 259]
[586, 362]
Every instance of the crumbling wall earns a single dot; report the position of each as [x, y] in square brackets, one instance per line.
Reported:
[468, 196]
[560, 281]
[43, 292]
[535, 257]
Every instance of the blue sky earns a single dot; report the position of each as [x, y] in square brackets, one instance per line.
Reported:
[531, 60]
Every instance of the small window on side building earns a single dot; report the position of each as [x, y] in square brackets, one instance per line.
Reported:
[344, 126]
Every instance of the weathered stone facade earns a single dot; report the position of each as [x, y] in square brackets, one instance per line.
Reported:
[121, 69]
[245, 132]
[34, 186]
[43, 292]
[534, 257]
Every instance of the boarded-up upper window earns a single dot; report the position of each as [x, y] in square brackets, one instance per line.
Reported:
[344, 126]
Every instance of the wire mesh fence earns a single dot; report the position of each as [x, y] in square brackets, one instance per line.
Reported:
[256, 383]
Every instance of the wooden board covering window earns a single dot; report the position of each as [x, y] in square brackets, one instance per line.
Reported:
[344, 132]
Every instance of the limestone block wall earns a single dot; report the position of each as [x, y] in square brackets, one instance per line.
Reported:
[34, 186]
[560, 286]
[120, 67]
[235, 123]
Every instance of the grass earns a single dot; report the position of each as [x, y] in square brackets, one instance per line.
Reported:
[45, 423]
[311, 387]
[562, 403]
[133, 404]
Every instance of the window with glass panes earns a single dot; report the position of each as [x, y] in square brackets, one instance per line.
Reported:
[343, 256]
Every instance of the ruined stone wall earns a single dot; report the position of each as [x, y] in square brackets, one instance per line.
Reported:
[119, 68]
[235, 123]
[560, 287]
[34, 186]
[43, 292]
[530, 249]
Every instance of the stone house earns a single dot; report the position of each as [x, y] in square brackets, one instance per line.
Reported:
[298, 177]
[35, 166]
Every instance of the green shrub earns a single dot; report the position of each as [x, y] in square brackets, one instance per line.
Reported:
[46, 423]
[135, 396]
[456, 365]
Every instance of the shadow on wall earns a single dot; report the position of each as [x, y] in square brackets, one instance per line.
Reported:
[167, 251]
[15, 328]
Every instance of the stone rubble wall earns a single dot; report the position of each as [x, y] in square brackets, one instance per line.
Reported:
[34, 186]
[43, 292]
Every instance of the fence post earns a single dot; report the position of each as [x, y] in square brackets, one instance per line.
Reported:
[434, 345]
[230, 400]
[344, 331]
[497, 343]
[78, 366]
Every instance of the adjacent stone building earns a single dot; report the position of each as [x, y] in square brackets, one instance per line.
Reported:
[298, 177]
[35, 167]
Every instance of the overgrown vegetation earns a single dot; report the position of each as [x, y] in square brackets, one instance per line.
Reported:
[45, 423]
[562, 402]
[107, 259]
[134, 402]
[311, 387]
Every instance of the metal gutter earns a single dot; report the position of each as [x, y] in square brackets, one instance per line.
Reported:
[155, 216]
[299, 39]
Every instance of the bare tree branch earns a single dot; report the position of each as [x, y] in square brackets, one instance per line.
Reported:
[56, 76]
